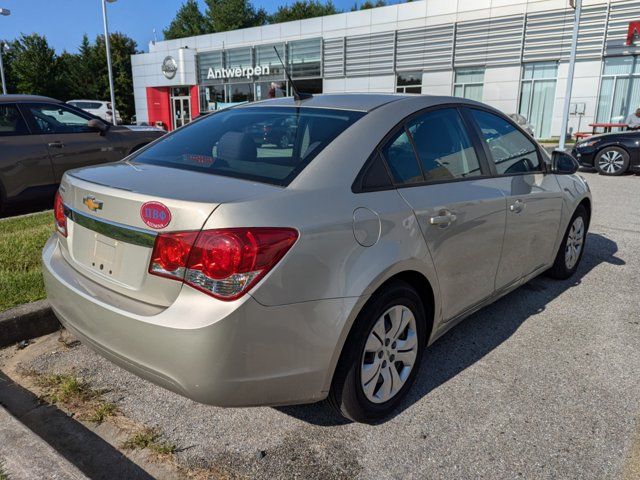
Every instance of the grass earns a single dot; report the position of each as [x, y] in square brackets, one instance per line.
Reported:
[21, 243]
[67, 390]
[103, 411]
[76, 395]
[3, 473]
[149, 438]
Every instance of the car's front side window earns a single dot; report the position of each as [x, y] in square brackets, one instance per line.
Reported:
[58, 119]
[511, 151]
[443, 146]
[11, 121]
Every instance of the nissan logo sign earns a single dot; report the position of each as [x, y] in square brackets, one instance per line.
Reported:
[169, 67]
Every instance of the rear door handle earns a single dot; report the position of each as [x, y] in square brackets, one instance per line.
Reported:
[517, 206]
[444, 219]
[56, 145]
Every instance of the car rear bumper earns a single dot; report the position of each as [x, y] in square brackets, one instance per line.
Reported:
[222, 353]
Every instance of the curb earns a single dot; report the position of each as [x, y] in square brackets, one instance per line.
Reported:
[27, 321]
[25, 455]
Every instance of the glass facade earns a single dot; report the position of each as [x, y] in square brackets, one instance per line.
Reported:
[537, 96]
[619, 89]
[469, 83]
[305, 58]
[261, 75]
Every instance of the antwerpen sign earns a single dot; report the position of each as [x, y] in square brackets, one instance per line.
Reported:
[633, 33]
[237, 72]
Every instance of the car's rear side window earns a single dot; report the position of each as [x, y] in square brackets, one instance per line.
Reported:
[268, 144]
[11, 121]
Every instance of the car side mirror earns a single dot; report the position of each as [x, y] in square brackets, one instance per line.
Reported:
[563, 164]
[98, 125]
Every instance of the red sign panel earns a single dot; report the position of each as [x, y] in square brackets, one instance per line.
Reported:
[155, 214]
[633, 32]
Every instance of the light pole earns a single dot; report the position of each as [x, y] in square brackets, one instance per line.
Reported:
[577, 4]
[5, 13]
[114, 118]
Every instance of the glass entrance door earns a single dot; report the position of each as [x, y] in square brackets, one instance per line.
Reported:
[181, 111]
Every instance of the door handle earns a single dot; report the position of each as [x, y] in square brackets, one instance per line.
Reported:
[517, 206]
[444, 219]
[56, 145]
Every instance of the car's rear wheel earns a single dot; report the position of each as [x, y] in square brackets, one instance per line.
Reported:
[381, 357]
[572, 247]
[612, 161]
[284, 141]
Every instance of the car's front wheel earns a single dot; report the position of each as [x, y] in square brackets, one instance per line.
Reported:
[612, 161]
[381, 357]
[572, 247]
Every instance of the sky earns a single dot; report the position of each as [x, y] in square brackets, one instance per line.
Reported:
[64, 22]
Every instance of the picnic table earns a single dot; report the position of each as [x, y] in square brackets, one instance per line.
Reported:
[606, 126]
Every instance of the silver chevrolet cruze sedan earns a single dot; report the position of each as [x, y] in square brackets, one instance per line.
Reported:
[240, 271]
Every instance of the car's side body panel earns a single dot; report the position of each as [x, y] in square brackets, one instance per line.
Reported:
[534, 204]
[474, 237]
[24, 164]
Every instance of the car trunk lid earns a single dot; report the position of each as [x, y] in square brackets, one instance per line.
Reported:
[108, 238]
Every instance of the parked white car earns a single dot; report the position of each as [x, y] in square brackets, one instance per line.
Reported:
[98, 108]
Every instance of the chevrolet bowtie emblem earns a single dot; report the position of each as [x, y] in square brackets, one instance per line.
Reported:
[91, 203]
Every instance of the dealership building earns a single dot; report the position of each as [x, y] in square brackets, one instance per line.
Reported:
[512, 54]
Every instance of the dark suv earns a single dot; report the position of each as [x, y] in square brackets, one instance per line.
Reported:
[41, 138]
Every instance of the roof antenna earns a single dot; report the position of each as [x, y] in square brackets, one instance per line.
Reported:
[297, 96]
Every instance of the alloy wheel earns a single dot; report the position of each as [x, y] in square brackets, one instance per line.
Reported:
[389, 354]
[611, 161]
[575, 241]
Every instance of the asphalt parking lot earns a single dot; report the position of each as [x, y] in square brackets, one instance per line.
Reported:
[543, 384]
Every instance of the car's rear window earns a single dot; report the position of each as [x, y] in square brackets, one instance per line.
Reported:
[266, 144]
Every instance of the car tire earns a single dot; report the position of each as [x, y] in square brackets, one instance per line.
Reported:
[364, 350]
[612, 161]
[572, 246]
[284, 141]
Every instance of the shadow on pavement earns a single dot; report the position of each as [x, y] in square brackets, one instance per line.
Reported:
[93, 456]
[480, 333]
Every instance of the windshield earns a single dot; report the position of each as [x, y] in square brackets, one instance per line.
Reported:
[266, 144]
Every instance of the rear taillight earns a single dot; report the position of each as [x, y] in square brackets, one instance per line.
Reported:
[224, 263]
[58, 213]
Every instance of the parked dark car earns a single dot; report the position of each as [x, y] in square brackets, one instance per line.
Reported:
[41, 138]
[610, 153]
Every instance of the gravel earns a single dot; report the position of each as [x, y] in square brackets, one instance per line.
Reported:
[542, 384]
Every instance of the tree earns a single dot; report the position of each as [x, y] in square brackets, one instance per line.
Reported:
[122, 47]
[77, 72]
[368, 4]
[8, 55]
[34, 66]
[225, 15]
[302, 9]
[189, 21]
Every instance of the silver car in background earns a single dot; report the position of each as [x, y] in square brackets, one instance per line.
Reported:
[238, 271]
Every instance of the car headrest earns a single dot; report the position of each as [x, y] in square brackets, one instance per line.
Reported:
[234, 146]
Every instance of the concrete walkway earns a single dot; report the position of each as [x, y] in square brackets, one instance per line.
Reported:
[25, 456]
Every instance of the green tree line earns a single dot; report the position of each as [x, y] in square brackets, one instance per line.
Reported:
[32, 66]
[224, 15]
